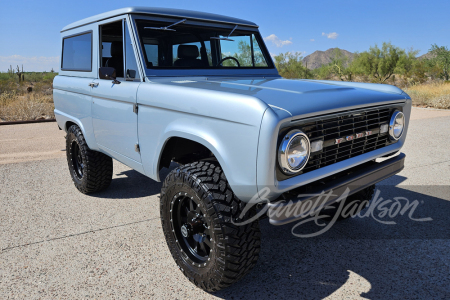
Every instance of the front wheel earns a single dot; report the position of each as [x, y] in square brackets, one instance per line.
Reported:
[198, 209]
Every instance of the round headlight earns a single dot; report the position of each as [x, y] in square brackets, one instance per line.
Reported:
[396, 125]
[293, 153]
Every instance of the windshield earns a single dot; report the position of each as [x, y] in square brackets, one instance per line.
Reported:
[168, 45]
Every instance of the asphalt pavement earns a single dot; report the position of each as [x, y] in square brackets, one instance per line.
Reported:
[57, 243]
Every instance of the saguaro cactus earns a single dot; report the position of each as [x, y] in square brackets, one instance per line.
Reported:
[11, 71]
[20, 74]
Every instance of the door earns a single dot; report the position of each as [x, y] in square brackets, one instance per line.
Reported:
[113, 105]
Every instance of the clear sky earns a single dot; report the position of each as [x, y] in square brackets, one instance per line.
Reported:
[29, 30]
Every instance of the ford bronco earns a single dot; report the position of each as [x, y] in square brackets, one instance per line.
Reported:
[152, 86]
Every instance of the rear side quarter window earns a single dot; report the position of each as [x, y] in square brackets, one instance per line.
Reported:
[77, 53]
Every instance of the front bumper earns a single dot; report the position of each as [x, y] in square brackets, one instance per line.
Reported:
[292, 207]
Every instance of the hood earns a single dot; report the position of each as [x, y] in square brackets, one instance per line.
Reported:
[298, 97]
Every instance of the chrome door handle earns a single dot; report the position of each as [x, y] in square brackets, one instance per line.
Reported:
[93, 84]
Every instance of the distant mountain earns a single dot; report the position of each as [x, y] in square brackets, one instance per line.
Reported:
[319, 58]
[426, 56]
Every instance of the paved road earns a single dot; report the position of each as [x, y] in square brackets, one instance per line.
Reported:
[58, 243]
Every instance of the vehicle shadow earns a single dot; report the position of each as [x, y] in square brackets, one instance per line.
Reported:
[358, 257]
[130, 184]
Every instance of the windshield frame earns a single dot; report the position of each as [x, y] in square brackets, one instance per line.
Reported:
[270, 70]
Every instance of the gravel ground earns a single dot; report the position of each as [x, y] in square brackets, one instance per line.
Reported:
[57, 243]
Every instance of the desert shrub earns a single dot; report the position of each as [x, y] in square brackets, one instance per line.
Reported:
[16, 104]
[381, 64]
[27, 107]
[39, 76]
[43, 87]
[7, 97]
[5, 76]
[290, 65]
[341, 66]
[435, 94]
[7, 86]
[323, 72]
[440, 61]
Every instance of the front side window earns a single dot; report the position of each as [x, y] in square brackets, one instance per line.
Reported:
[131, 68]
[77, 53]
[111, 38]
[117, 50]
[200, 47]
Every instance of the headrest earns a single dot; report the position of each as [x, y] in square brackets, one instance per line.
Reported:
[116, 49]
[187, 51]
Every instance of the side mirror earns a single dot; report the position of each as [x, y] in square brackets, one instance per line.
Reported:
[108, 73]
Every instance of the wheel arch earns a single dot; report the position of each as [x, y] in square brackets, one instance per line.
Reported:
[234, 147]
[85, 124]
[68, 124]
[178, 139]
[183, 151]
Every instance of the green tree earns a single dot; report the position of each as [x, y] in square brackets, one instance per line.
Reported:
[411, 70]
[441, 60]
[323, 72]
[379, 64]
[341, 66]
[290, 65]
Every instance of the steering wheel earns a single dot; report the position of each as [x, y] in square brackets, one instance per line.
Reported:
[229, 57]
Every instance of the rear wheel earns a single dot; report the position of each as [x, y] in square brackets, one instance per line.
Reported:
[91, 171]
[198, 209]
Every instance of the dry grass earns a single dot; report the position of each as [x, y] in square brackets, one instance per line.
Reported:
[436, 95]
[30, 106]
[16, 104]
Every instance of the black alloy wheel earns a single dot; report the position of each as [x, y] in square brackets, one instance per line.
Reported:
[77, 160]
[191, 229]
[200, 217]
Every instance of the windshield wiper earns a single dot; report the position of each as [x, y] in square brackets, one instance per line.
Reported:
[225, 38]
[167, 27]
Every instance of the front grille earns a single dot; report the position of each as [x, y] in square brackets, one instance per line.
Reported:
[333, 127]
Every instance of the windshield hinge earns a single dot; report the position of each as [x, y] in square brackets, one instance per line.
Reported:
[135, 108]
[136, 148]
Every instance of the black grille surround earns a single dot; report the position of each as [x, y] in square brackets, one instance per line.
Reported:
[328, 128]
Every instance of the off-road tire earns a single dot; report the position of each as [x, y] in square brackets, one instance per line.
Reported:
[97, 167]
[235, 248]
[352, 205]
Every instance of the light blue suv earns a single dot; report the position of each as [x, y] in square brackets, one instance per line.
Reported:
[151, 86]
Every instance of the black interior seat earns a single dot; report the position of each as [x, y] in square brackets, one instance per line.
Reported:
[116, 60]
[187, 57]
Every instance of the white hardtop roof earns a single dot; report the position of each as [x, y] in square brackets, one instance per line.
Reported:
[158, 11]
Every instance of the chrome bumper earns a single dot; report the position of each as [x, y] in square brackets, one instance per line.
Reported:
[356, 179]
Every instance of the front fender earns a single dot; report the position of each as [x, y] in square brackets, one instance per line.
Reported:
[234, 146]
[202, 117]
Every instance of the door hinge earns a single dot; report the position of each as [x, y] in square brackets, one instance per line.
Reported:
[136, 148]
[135, 108]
